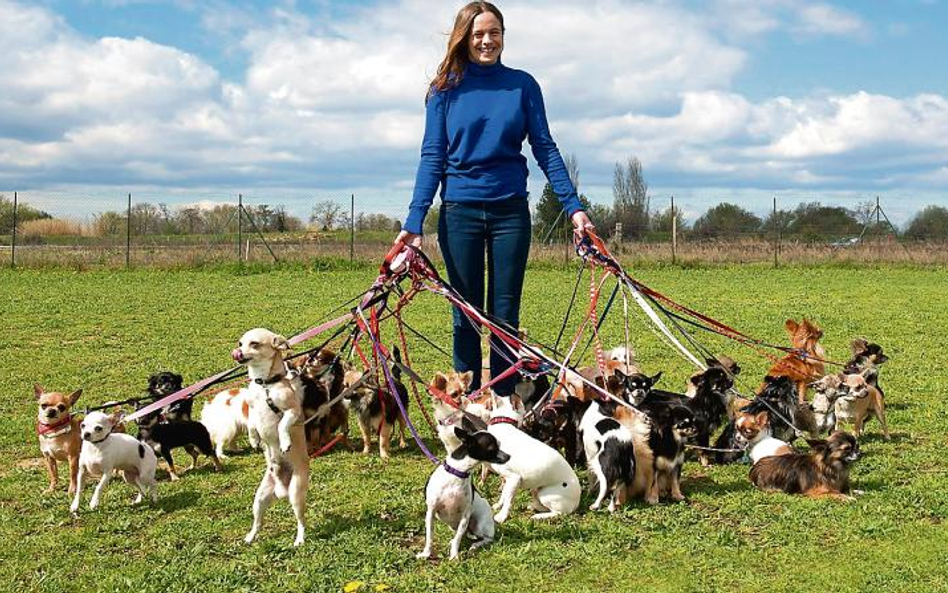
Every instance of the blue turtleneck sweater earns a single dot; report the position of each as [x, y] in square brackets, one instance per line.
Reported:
[474, 135]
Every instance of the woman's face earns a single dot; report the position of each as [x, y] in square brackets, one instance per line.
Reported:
[487, 39]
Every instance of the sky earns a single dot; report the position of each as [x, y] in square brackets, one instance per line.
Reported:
[293, 102]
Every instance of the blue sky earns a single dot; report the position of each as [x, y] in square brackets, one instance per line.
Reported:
[292, 102]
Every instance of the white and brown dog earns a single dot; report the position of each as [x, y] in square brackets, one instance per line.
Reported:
[276, 417]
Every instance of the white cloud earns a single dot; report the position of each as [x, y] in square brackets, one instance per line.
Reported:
[338, 103]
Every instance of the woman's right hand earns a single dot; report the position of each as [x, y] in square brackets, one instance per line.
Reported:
[407, 238]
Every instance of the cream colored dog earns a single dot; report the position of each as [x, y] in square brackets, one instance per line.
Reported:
[276, 418]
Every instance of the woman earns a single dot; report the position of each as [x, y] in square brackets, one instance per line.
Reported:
[478, 113]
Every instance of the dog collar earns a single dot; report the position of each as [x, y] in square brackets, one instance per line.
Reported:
[502, 420]
[107, 435]
[454, 471]
[61, 427]
[274, 379]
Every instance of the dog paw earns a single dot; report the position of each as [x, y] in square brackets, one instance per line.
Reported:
[423, 555]
[594, 506]
[500, 517]
[52, 489]
[175, 477]
[298, 542]
[248, 539]
[74, 509]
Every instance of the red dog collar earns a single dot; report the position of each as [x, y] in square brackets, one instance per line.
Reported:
[502, 420]
[54, 430]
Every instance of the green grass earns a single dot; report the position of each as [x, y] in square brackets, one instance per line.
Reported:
[107, 331]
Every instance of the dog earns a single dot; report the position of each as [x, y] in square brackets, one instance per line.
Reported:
[858, 400]
[532, 466]
[162, 437]
[226, 417]
[786, 413]
[58, 433]
[753, 435]
[866, 355]
[708, 407]
[375, 408]
[615, 440]
[276, 415]
[104, 451]
[632, 388]
[455, 407]
[805, 364]
[823, 472]
[450, 495]
[722, 362]
[165, 383]
[322, 375]
[826, 392]
[556, 423]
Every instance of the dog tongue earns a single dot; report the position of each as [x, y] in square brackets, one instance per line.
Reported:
[237, 354]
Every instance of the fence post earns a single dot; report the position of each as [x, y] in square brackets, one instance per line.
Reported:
[674, 232]
[13, 240]
[240, 221]
[776, 233]
[352, 209]
[128, 234]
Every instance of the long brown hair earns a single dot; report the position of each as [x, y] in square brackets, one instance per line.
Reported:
[456, 59]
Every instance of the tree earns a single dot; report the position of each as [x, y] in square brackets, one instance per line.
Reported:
[630, 198]
[930, 223]
[726, 219]
[108, 224]
[326, 215]
[548, 213]
[603, 217]
[24, 213]
[778, 222]
[815, 221]
[662, 220]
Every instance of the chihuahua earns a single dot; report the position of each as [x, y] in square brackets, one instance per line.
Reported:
[276, 414]
[58, 433]
[805, 363]
[823, 472]
[450, 494]
[753, 435]
[858, 400]
[104, 451]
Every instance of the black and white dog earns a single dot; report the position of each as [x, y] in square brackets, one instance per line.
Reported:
[165, 383]
[162, 437]
[450, 494]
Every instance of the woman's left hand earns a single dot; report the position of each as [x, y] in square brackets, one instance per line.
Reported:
[581, 224]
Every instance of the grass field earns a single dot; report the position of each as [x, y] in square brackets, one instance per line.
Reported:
[107, 331]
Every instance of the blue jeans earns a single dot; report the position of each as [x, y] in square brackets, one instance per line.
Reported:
[465, 231]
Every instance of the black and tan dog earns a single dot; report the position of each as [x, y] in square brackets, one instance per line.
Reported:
[375, 407]
[821, 473]
[165, 383]
[323, 377]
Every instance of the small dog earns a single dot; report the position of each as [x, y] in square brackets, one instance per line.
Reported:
[866, 356]
[805, 365]
[615, 445]
[226, 417]
[165, 383]
[632, 388]
[823, 472]
[104, 451]
[376, 410]
[858, 400]
[826, 392]
[708, 407]
[58, 433]
[449, 414]
[722, 362]
[276, 414]
[162, 437]
[450, 494]
[322, 375]
[556, 423]
[787, 414]
[532, 466]
[753, 434]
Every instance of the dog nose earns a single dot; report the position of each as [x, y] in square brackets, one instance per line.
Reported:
[237, 355]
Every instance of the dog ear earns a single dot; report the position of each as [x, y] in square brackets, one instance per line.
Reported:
[816, 444]
[619, 375]
[467, 377]
[613, 385]
[37, 391]
[439, 382]
[791, 326]
[858, 345]
[468, 425]
[178, 378]
[280, 343]
[653, 380]
[116, 417]
[461, 433]
[762, 418]
[74, 397]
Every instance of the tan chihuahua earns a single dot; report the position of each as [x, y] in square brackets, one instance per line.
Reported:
[58, 433]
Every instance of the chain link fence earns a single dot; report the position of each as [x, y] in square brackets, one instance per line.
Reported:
[144, 231]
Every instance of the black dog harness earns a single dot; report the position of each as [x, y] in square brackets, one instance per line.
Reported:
[265, 383]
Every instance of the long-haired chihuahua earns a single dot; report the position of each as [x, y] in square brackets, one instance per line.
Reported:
[821, 473]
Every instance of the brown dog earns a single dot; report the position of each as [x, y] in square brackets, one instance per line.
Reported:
[806, 364]
[322, 375]
[823, 472]
[59, 435]
[858, 400]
